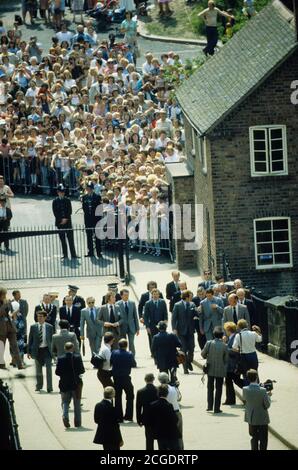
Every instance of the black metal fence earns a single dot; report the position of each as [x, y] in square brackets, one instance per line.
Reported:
[37, 253]
[9, 436]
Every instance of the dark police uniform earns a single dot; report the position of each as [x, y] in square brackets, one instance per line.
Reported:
[62, 210]
[89, 204]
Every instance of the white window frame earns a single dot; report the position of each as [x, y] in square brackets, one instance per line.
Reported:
[202, 146]
[193, 141]
[268, 130]
[276, 265]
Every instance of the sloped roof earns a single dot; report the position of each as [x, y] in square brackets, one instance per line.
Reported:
[242, 64]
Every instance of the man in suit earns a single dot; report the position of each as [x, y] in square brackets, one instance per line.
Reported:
[130, 322]
[164, 351]
[90, 202]
[207, 283]
[110, 318]
[23, 306]
[108, 430]
[164, 421]
[235, 311]
[182, 286]
[40, 349]
[64, 336]
[122, 361]
[89, 315]
[210, 314]
[62, 211]
[257, 402]
[197, 300]
[146, 396]
[249, 304]
[217, 355]
[183, 326]
[238, 284]
[72, 314]
[154, 312]
[112, 287]
[50, 309]
[147, 296]
[172, 288]
[69, 368]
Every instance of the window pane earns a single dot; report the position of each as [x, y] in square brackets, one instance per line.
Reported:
[260, 145]
[259, 134]
[260, 156]
[282, 259]
[277, 166]
[264, 248]
[281, 247]
[277, 155]
[280, 224]
[276, 133]
[263, 225]
[276, 144]
[265, 259]
[261, 167]
[280, 235]
[266, 237]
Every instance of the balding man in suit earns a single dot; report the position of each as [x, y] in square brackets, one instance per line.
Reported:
[235, 311]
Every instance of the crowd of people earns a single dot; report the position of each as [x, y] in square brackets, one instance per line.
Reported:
[222, 316]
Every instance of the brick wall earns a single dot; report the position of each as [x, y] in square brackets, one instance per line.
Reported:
[239, 198]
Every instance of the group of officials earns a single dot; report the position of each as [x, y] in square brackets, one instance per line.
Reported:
[221, 319]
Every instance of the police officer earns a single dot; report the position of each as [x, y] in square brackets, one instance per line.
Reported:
[62, 211]
[90, 201]
[77, 300]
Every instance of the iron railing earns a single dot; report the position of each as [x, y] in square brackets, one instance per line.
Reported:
[36, 253]
[9, 436]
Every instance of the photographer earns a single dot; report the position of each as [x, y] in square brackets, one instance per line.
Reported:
[245, 343]
[257, 401]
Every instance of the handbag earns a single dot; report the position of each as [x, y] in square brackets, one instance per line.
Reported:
[97, 361]
[241, 366]
[180, 357]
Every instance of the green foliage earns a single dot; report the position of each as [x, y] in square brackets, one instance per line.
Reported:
[175, 74]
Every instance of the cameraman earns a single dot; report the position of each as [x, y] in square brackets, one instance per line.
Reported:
[257, 401]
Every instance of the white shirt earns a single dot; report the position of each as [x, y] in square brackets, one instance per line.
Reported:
[173, 397]
[249, 340]
[106, 352]
[44, 343]
[66, 36]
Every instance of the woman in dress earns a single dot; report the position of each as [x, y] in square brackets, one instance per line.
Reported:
[77, 8]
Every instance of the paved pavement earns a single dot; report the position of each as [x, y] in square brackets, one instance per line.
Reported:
[39, 414]
[44, 33]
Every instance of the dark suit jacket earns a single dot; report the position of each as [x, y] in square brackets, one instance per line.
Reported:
[33, 341]
[51, 318]
[62, 210]
[145, 396]
[89, 210]
[74, 319]
[108, 430]
[164, 350]
[144, 298]
[206, 284]
[153, 315]
[170, 292]
[183, 320]
[252, 311]
[69, 368]
[163, 420]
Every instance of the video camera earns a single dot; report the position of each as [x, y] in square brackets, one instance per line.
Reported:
[268, 384]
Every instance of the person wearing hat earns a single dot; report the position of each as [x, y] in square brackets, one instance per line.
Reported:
[5, 217]
[90, 202]
[164, 350]
[62, 211]
[77, 300]
[112, 287]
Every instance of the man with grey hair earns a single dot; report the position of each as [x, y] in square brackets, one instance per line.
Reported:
[172, 398]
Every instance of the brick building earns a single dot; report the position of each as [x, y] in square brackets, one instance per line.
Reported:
[241, 128]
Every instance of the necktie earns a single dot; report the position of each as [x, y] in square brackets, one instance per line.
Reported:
[235, 315]
[112, 315]
[92, 315]
[126, 308]
[40, 334]
[68, 313]
[156, 304]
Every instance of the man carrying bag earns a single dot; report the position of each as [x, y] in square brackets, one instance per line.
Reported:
[69, 368]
